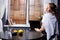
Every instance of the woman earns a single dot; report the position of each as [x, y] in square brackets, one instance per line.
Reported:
[49, 22]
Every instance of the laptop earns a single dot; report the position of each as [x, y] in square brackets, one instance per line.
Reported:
[34, 24]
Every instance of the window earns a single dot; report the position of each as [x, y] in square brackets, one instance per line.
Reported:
[35, 9]
[21, 11]
[18, 11]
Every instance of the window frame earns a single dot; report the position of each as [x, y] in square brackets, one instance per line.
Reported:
[8, 15]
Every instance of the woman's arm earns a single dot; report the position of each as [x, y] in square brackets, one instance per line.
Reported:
[41, 29]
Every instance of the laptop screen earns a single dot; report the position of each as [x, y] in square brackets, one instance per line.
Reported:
[34, 24]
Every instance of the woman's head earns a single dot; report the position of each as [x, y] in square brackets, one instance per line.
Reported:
[51, 7]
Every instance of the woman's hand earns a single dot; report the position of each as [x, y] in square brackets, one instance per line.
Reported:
[11, 22]
[36, 29]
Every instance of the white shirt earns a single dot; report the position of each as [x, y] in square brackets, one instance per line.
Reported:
[50, 24]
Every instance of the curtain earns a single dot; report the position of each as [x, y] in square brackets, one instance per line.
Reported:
[2, 9]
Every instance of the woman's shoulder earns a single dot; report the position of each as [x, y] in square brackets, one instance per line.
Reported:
[45, 15]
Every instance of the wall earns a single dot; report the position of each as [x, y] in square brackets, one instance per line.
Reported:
[59, 16]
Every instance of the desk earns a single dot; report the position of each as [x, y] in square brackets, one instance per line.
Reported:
[28, 36]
